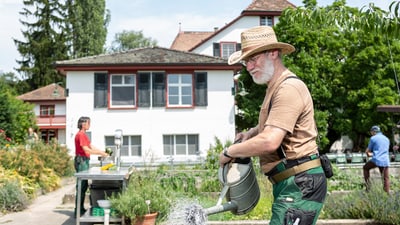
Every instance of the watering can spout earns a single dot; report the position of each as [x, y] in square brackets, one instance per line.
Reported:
[228, 206]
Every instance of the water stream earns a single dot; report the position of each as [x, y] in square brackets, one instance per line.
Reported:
[187, 212]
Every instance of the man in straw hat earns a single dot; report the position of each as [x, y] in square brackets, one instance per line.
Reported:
[285, 137]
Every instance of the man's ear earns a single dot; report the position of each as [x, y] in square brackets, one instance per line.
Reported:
[274, 53]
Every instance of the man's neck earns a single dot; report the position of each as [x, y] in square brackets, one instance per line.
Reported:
[277, 73]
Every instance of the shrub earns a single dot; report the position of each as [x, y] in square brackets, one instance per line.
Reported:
[361, 204]
[12, 197]
[30, 170]
[28, 186]
[44, 164]
[55, 157]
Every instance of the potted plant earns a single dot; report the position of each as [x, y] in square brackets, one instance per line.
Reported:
[145, 196]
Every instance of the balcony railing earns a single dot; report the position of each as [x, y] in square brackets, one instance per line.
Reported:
[51, 122]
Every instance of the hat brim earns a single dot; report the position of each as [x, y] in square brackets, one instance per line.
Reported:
[238, 56]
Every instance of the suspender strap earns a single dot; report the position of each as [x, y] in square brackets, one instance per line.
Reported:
[295, 170]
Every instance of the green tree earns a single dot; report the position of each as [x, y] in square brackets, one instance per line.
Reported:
[344, 64]
[15, 115]
[86, 25]
[346, 60]
[44, 42]
[129, 40]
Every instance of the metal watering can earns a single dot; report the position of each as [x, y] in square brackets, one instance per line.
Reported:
[240, 188]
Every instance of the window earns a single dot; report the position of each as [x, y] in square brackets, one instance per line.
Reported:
[100, 90]
[180, 90]
[216, 50]
[144, 89]
[48, 135]
[131, 145]
[225, 49]
[158, 89]
[123, 90]
[151, 89]
[47, 110]
[148, 89]
[201, 88]
[181, 145]
[266, 21]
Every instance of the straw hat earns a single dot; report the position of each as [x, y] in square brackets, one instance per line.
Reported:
[258, 39]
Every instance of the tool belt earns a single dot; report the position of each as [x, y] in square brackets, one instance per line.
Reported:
[288, 168]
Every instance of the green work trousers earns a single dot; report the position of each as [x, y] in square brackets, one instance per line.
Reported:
[81, 164]
[298, 200]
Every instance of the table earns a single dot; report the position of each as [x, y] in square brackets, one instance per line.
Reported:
[95, 173]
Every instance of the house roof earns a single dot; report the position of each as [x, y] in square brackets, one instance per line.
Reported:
[187, 41]
[184, 40]
[144, 58]
[49, 92]
[269, 5]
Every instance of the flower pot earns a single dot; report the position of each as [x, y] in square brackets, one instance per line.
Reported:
[148, 219]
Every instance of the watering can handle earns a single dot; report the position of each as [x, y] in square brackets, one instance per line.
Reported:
[245, 160]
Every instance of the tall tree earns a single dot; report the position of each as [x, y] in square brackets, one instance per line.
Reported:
[87, 26]
[44, 41]
[129, 40]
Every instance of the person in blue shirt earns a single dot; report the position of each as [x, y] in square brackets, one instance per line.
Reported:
[378, 148]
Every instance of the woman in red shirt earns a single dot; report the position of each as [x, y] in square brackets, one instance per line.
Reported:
[83, 149]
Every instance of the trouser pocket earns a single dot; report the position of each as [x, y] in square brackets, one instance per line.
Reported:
[81, 163]
[77, 161]
[299, 217]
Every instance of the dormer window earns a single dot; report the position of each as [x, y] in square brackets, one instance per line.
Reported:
[225, 49]
[267, 21]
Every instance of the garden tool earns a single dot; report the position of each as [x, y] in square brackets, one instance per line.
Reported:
[240, 188]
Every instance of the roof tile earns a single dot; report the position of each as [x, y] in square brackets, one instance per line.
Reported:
[269, 5]
[145, 56]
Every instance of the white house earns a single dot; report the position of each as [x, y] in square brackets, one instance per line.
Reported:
[169, 104]
[50, 109]
[226, 40]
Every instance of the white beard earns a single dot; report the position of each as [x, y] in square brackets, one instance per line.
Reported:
[266, 75]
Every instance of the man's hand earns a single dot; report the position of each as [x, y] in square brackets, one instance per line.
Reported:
[224, 157]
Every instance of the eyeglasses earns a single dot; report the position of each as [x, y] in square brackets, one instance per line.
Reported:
[252, 59]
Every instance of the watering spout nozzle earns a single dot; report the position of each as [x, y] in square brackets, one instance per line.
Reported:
[228, 206]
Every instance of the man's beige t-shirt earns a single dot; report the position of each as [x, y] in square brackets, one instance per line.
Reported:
[291, 109]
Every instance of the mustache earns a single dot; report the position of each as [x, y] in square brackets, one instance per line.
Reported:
[252, 72]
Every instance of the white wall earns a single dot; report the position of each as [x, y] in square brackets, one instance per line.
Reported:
[59, 108]
[231, 33]
[215, 120]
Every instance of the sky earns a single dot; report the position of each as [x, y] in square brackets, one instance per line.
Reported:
[160, 20]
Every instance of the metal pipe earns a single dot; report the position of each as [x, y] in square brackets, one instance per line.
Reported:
[220, 208]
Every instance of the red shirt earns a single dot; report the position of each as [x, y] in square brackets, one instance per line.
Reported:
[81, 139]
